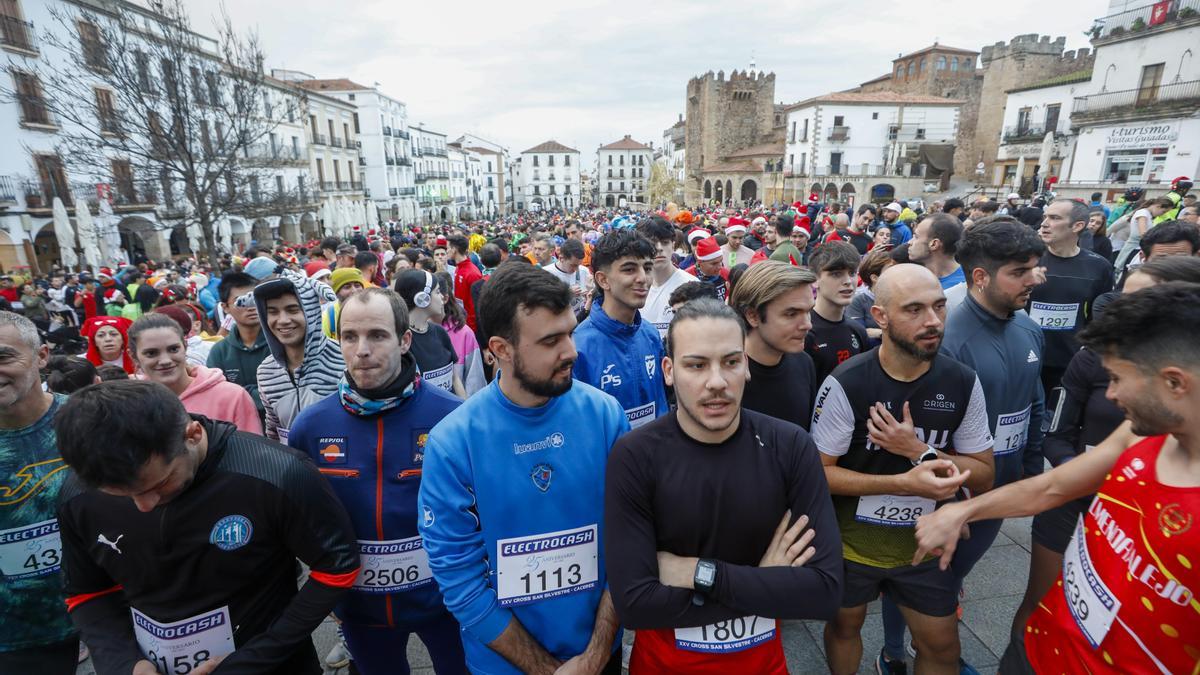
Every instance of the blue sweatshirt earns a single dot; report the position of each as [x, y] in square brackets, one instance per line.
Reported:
[1007, 356]
[623, 360]
[498, 479]
[374, 466]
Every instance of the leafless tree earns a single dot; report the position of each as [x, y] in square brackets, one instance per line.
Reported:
[177, 119]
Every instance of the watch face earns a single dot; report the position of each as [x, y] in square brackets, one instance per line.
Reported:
[705, 573]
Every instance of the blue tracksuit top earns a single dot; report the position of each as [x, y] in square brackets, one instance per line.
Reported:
[495, 472]
[374, 466]
[1007, 356]
[624, 361]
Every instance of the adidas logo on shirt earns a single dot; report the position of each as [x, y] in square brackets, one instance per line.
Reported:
[1032, 358]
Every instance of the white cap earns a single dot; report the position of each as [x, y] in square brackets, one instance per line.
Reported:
[894, 206]
[1014, 195]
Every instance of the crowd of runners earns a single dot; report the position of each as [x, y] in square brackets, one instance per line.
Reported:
[520, 439]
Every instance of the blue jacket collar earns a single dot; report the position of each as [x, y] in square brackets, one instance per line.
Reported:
[610, 326]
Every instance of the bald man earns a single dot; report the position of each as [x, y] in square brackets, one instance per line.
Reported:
[900, 429]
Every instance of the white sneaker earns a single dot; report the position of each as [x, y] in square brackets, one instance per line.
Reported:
[339, 656]
[83, 653]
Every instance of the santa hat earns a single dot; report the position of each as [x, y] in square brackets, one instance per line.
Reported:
[707, 249]
[105, 273]
[759, 221]
[813, 198]
[735, 228]
[442, 241]
[695, 235]
[121, 324]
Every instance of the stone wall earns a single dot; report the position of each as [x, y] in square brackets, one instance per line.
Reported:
[724, 116]
[1023, 61]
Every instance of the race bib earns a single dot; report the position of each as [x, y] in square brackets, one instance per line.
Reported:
[1012, 430]
[733, 635]
[545, 566]
[283, 434]
[392, 566]
[179, 647]
[1091, 603]
[641, 415]
[1054, 316]
[30, 550]
[892, 510]
[442, 377]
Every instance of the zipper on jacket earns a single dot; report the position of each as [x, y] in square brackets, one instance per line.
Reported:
[409, 473]
[343, 473]
[387, 598]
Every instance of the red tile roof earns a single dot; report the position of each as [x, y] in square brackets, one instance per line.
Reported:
[337, 84]
[886, 97]
[550, 146]
[626, 143]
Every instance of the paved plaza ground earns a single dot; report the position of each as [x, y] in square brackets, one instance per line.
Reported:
[993, 592]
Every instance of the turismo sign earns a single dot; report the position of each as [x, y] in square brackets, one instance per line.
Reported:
[1142, 136]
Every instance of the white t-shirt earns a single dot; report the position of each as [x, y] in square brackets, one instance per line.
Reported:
[657, 310]
[581, 277]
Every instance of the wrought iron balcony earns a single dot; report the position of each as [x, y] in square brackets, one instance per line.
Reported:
[17, 34]
[1137, 103]
[319, 139]
[839, 133]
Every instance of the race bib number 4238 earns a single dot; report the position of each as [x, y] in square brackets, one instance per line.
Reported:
[892, 510]
[547, 565]
[30, 550]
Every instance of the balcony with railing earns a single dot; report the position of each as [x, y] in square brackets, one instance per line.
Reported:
[1134, 104]
[392, 192]
[1147, 19]
[264, 152]
[838, 133]
[389, 160]
[408, 191]
[421, 177]
[17, 34]
[1022, 133]
[440, 174]
[320, 139]
[340, 185]
[8, 189]
[400, 133]
[336, 142]
[387, 131]
[403, 161]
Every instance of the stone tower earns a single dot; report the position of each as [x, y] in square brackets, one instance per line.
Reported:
[724, 116]
[1025, 60]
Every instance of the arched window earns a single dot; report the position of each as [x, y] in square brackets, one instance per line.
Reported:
[954, 65]
[921, 65]
[912, 68]
[941, 63]
[900, 71]
[966, 64]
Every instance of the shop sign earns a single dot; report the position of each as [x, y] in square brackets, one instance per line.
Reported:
[1142, 136]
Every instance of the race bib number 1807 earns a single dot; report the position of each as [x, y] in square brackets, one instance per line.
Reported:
[547, 565]
[733, 635]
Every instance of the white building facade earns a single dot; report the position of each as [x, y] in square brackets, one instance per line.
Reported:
[1036, 125]
[1138, 121]
[132, 211]
[496, 192]
[623, 167]
[851, 146]
[547, 177]
[432, 163]
[380, 126]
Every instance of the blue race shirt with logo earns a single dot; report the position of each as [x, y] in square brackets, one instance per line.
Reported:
[623, 361]
[511, 508]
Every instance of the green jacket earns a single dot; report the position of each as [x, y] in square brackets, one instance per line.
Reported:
[239, 362]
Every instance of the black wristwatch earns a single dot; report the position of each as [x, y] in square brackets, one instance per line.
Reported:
[705, 576]
[929, 454]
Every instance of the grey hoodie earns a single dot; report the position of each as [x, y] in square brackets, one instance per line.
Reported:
[284, 394]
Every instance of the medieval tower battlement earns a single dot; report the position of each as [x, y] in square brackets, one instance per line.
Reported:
[724, 115]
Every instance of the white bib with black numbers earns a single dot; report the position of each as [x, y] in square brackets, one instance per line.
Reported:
[892, 510]
[547, 565]
[392, 566]
[179, 647]
[30, 550]
[732, 635]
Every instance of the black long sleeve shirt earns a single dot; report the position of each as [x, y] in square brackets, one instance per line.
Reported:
[668, 492]
[179, 560]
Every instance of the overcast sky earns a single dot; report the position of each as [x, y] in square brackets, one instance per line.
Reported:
[586, 72]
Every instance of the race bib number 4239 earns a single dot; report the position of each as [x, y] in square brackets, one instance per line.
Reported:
[547, 565]
[30, 550]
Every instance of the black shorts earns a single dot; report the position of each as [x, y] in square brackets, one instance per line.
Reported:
[922, 588]
[1053, 528]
